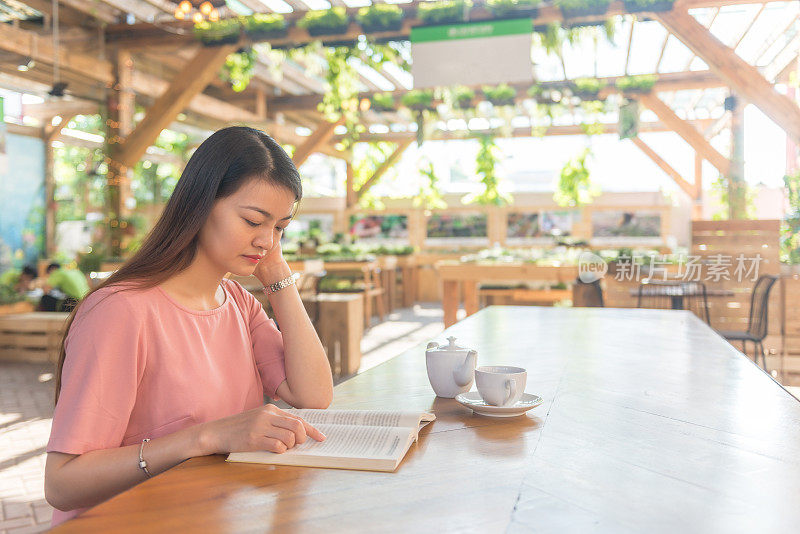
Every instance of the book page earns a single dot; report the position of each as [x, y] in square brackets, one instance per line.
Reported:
[362, 417]
[356, 442]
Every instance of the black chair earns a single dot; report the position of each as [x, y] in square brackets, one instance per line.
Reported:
[757, 321]
[673, 295]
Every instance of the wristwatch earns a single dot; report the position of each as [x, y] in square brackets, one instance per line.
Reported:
[280, 284]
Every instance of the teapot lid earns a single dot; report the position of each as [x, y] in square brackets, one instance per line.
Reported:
[452, 346]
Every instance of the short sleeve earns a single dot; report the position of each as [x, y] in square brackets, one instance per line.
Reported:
[267, 343]
[104, 364]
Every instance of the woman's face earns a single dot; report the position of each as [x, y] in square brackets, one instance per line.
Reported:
[249, 222]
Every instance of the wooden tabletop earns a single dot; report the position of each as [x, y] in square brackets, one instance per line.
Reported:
[651, 422]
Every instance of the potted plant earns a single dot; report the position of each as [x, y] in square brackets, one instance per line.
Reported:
[582, 8]
[382, 102]
[215, 33]
[629, 120]
[510, 9]
[380, 18]
[443, 11]
[642, 83]
[418, 99]
[652, 6]
[463, 97]
[263, 26]
[587, 88]
[332, 21]
[500, 95]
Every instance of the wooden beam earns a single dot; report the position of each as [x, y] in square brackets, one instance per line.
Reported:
[573, 129]
[321, 136]
[674, 81]
[385, 166]
[180, 32]
[686, 131]
[742, 77]
[40, 48]
[350, 194]
[749, 26]
[697, 206]
[186, 85]
[664, 166]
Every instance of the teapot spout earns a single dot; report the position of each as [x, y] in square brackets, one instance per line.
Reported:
[465, 373]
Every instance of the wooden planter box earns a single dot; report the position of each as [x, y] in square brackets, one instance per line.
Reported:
[16, 307]
[31, 337]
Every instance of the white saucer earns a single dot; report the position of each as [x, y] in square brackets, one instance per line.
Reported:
[474, 401]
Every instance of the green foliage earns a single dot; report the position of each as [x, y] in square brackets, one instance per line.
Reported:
[592, 109]
[486, 163]
[462, 96]
[239, 68]
[259, 24]
[341, 97]
[429, 196]
[629, 120]
[377, 17]
[587, 6]
[642, 83]
[790, 229]
[9, 296]
[500, 95]
[382, 102]
[504, 8]
[588, 86]
[325, 22]
[647, 5]
[418, 99]
[365, 165]
[574, 186]
[218, 32]
[443, 11]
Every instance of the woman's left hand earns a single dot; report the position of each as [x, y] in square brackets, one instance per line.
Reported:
[272, 267]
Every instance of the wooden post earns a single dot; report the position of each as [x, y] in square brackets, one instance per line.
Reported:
[350, 195]
[697, 205]
[737, 187]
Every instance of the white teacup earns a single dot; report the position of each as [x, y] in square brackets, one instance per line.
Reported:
[500, 385]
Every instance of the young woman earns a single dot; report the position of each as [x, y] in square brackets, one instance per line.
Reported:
[167, 359]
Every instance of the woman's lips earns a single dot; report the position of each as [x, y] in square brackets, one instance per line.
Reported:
[254, 259]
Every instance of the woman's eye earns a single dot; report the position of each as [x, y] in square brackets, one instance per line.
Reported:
[251, 223]
[280, 229]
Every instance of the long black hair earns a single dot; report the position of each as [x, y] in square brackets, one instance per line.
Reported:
[224, 162]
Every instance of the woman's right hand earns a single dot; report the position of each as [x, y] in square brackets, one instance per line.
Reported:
[266, 428]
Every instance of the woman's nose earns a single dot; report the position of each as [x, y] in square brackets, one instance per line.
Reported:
[264, 241]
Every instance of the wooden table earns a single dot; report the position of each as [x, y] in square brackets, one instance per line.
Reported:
[651, 423]
[456, 275]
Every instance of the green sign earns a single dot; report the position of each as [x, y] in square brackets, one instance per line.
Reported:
[471, 30]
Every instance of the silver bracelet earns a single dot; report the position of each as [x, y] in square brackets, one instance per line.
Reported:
[142, 463]
[281, 284]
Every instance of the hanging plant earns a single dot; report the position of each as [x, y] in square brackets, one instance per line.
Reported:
[418, 99]
[380, 18]
[264, 26]
[637, 84]
[333, 21]
[650, 6]
[592, 110]
[582, 8]
[341, 96]
[486, 165]
[462, 97]
[507, 9]
[382, 102]
[574, 186]
[429, 196]
[500, 95]
[443, 11]
[215, 33]
[587, 88]
[238, 68]
[629, 120]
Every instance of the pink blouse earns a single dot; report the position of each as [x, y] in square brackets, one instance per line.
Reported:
[140, 365]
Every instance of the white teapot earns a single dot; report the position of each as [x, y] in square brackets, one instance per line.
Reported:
[451, 369]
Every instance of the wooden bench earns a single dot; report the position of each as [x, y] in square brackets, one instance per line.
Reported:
[31, 337]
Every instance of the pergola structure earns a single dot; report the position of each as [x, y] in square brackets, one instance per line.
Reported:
[116, 54]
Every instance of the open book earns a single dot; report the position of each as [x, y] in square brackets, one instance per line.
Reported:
[354, 439]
